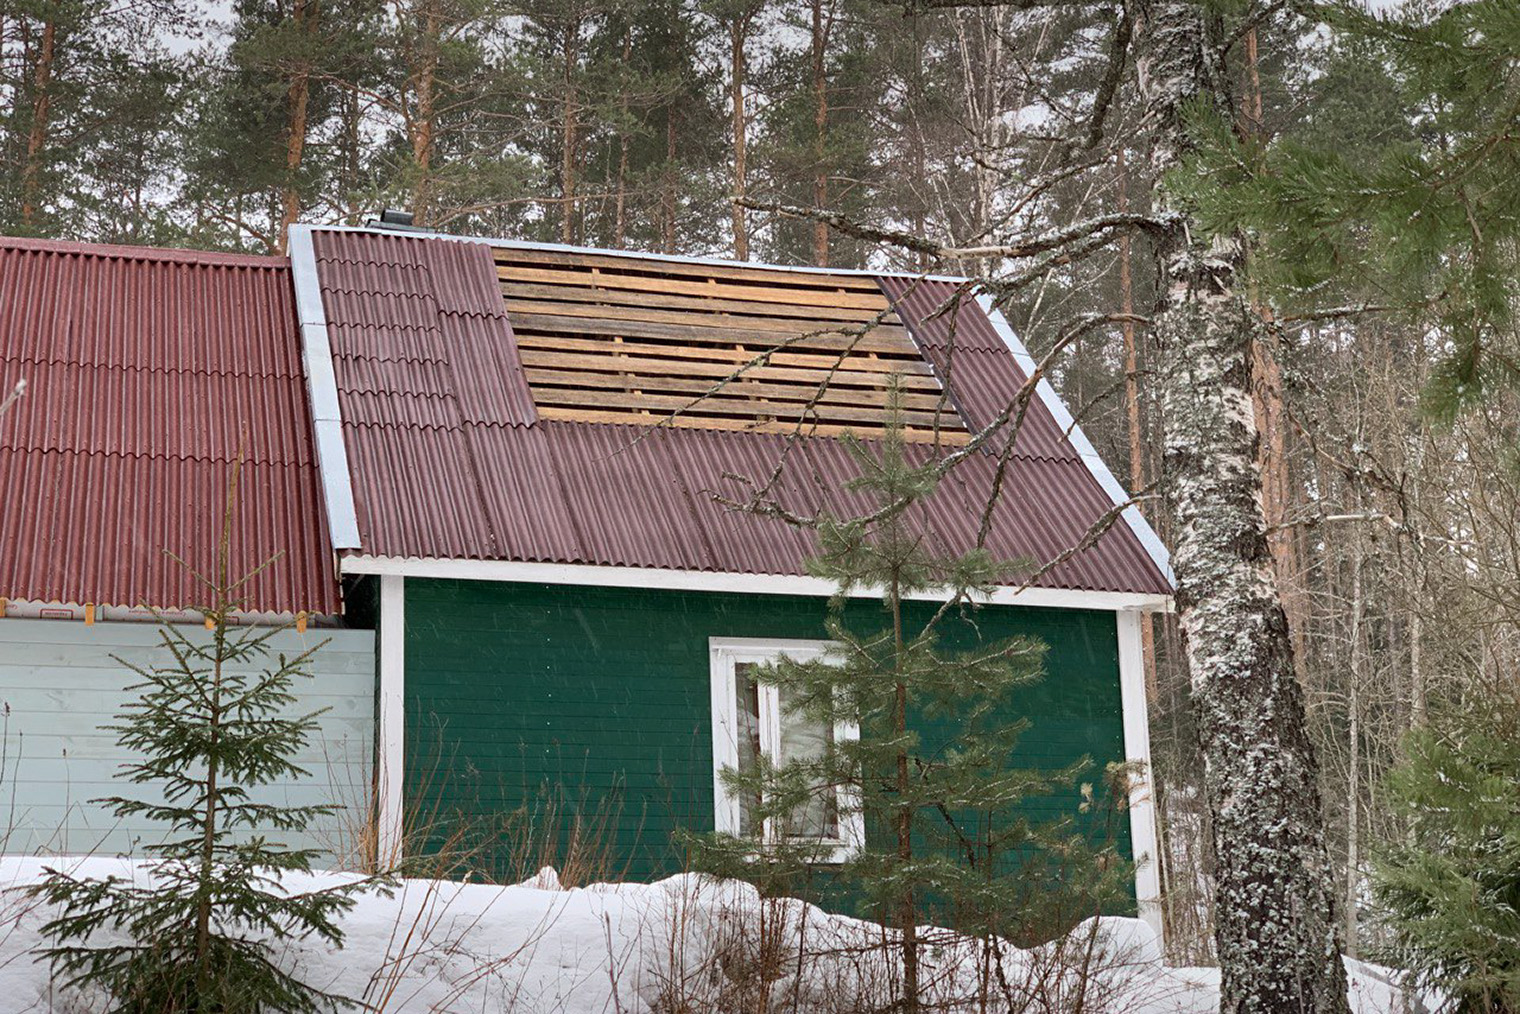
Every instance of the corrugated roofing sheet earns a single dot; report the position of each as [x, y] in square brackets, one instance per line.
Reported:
[450, 461]
[146, 371]
[973, 363]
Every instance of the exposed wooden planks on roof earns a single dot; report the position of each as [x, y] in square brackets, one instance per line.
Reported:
[615, 339]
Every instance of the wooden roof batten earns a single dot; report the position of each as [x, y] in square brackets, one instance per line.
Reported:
[611, 339]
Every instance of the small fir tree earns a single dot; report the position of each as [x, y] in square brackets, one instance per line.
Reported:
[931, 776]
[1450, 890]
[198, 933]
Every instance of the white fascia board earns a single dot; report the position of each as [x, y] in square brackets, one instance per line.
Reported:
[322, 390]
[1079, 442]
[642, 255]
[706, 581]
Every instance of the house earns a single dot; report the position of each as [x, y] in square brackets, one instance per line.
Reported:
[557, 594]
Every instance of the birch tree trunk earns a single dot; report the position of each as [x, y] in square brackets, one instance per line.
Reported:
[1275, 896]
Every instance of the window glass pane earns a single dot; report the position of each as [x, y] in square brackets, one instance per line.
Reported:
[805, 739]
[747, 708]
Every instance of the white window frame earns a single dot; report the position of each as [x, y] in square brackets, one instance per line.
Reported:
[728, 652]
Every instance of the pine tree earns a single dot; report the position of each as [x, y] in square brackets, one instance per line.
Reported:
[930, 777]
[201, 930]
[1407, 207]
[85, 92]
[1450, 891]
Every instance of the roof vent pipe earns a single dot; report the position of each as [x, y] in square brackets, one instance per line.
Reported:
[397, 220]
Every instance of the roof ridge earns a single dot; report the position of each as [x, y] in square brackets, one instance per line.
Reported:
[503, 243]
[122, 251]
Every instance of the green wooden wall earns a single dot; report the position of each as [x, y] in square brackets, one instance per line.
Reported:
[514, 689]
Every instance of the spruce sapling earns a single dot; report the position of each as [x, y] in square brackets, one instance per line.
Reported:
[197, 932]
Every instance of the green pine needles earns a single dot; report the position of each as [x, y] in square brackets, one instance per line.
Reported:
[196, 929]
[893, 782]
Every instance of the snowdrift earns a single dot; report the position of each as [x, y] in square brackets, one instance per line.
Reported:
[686, 944]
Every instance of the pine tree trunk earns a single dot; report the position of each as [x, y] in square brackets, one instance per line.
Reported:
[620, 205]
[737, 30]
[297, 99]
[1275, 901]
[569, 142]
[668, 197]
[36, 138]
[424, 119]
[1267, 396]
[820, 136]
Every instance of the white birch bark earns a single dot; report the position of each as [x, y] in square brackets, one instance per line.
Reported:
[1275, 924]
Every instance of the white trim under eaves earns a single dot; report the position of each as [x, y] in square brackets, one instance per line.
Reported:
[322, 387]
[706, 581]
[715, 262]
[1084, 448]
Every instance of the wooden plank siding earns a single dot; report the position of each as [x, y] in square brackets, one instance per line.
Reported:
[59, 685]
[517, 694]
[623, 340]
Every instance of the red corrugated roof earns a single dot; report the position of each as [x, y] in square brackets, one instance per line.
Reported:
[449, 459]
[146, 371]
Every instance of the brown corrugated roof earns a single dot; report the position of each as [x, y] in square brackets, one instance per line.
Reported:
[146, 371]
[449, 458]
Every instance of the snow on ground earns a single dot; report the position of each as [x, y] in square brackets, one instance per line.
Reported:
[686, 945]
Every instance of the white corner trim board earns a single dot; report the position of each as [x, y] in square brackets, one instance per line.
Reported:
[706, 581]
[1137, 750]
[1084, 448]
[322, 388]
[390, 734]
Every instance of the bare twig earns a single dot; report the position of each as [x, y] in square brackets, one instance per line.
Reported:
[13, 397]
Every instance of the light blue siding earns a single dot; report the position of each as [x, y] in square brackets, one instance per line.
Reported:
[59, 685]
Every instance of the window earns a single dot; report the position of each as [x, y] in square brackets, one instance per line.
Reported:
[752, 721]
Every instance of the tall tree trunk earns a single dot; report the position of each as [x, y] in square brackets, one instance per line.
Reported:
[668, 199]
[569, 142]
[36, 138]
[907, 906]
[820, 134]
[1271, 416]
[738, 29]
[1275, 901]
[1132, 398]
[351, 115]
[1354, 746]
[424, 126]
[620, 205]
[297, 99]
